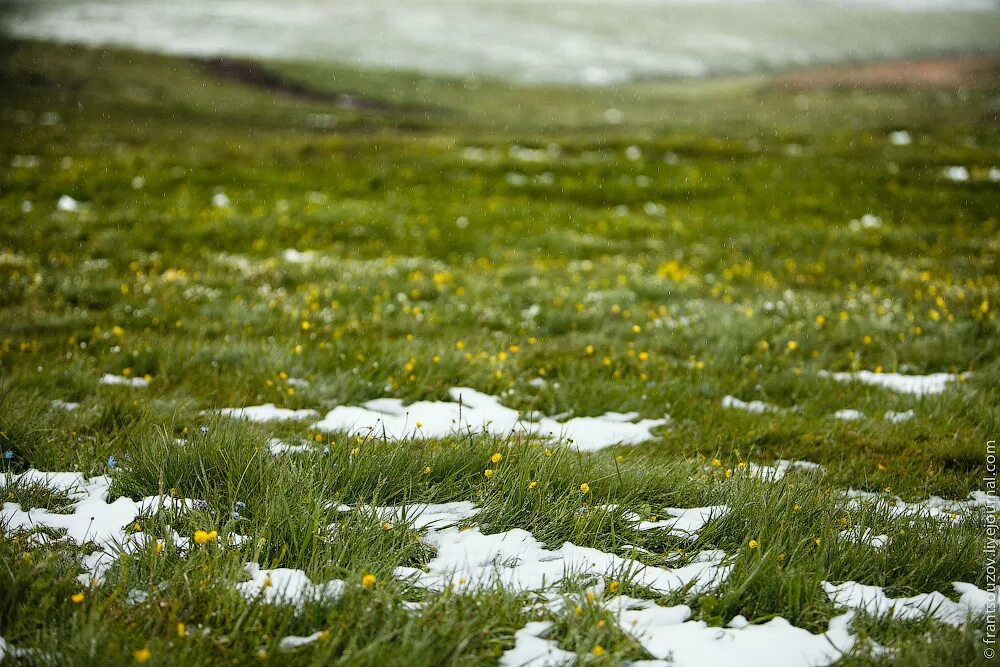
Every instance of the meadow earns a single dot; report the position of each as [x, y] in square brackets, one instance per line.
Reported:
[489, 321]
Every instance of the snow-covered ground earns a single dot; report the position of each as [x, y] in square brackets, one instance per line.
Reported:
[578, 41]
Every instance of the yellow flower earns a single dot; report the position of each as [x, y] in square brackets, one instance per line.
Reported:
[203, 537]
[318, 437]
[741, 465]
[796, 507]
[427, 470]
[181, 629]
[420, 424]
[716, 463]
[590, 596]
[636, 328]
[792, 346]
[598, 651]
[77, 598]
[306, 326]
[142, 655]
[753, 544]
[817, 541]
[643, 356]
[585, 488]
[488, 472]
[614, 586]
[368, 580]
[158, 547]
[459, 345]
[496, 457]
[548, 452]
[532, 485]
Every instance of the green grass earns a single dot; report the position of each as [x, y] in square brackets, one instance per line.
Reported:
[715, 258]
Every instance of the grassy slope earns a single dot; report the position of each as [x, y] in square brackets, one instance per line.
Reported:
[158, 281]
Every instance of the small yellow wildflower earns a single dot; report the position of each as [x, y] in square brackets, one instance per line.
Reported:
[420, 424]
[636, 328]
[792, 346]
[427, 470]
[181, 629]
[77, 598]
[548, 452]
[488, 472]
[368, 580]
[614, 586]
[716, 463]
[753, 544]
[496, 457]
[203, 537]
[532, 485]
[598, 651]
[585, 488]
[142, 655]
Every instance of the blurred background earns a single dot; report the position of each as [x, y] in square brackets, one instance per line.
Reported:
[591, 42]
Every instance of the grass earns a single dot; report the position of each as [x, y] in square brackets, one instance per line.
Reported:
[488, 238]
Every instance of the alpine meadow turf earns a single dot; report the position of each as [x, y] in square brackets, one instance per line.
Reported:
[179, 237]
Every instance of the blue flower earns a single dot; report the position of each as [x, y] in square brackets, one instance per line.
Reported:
[8, 455]
[112, 462]
[326, 451]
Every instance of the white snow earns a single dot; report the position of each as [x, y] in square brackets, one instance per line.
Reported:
[64, 405]
[220, 200]
[848, 415]
[873, 600]
[957, 174]
[900, 138]
[67, 204]
[866, 536]
[108, 378]
[899, 417]
[530, 650]
[471, 410]
[279, 447]
[756, 407]
[918, 385]
[292, 642]
[934, 507]
[779, 469]
[92, 520]
[683, 522]
[285, 586]
[670, 637]
[267, 413]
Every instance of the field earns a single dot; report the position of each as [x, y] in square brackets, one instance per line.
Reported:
[498, 264]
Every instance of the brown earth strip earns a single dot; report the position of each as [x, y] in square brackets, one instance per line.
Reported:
[950, 72]
[252, 74]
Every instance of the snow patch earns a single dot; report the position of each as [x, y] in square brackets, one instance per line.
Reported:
[755, 407]
[285, 586]
[267, 413]
[918, 385]
[109, 378]
[873, 600]
[471, 410]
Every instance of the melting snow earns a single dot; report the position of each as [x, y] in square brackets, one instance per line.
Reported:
[670, 637]
[267, 413]
[682, 522]
[64, 405]
[848, 415]
[92, 520]
[934, 507]
[293, 642]
[530, 650]
[108, 378]
[899, 417]
[471, 410]
[284, 586]
[918, 385]
[873, 600]
[756, 407]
